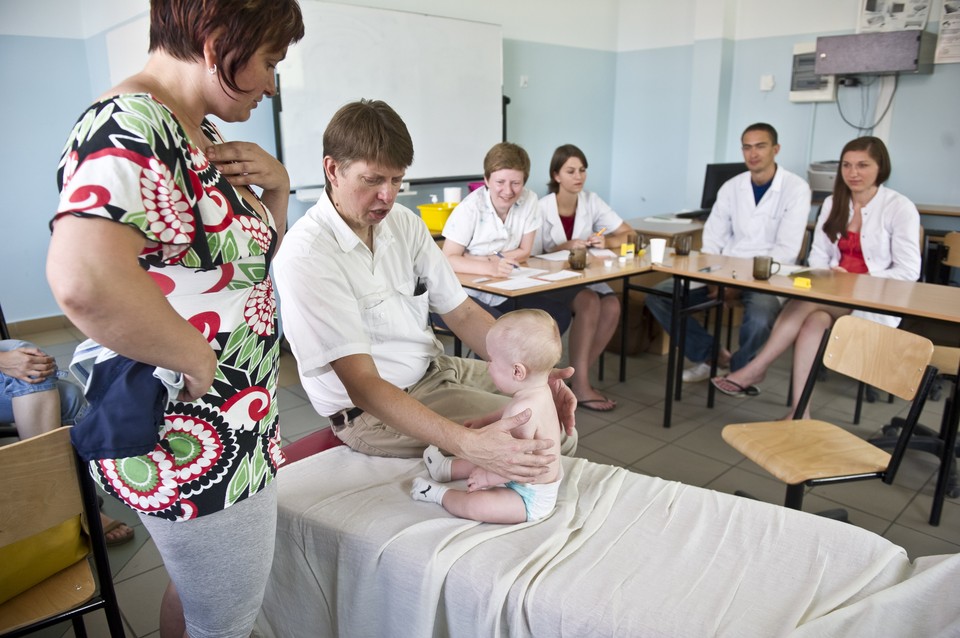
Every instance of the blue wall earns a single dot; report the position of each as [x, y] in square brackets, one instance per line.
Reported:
[569, 101]
[46, 88]
[651, 123]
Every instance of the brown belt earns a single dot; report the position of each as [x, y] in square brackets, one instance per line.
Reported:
[341, 418]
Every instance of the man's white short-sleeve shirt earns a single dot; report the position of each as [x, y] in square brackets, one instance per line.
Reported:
[339, 299]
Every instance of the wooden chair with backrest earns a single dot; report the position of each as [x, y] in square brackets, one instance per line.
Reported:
[809, 452]
[50, 523]
[864, 391]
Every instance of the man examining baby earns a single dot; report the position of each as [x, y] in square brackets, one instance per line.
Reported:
[358, 276]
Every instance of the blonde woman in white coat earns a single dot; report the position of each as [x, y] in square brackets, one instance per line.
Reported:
[863, 228]
[572, 218]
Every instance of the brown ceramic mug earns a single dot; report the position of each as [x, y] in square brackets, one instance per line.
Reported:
[763, 267]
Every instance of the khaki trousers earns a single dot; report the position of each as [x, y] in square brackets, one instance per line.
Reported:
[453, 387]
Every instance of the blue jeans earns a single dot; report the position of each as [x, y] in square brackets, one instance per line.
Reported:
[71, 395]
[759, 312]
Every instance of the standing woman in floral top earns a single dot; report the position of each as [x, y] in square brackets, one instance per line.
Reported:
[160, 252]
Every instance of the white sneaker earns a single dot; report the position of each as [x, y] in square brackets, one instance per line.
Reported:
[701, 372]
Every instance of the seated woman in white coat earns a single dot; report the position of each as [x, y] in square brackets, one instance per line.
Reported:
[864, 228]
[492, 231]
[573, 218]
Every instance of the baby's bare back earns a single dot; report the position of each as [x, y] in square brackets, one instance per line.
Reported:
[544, 424]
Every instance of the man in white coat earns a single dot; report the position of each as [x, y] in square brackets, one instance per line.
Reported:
[763, 211]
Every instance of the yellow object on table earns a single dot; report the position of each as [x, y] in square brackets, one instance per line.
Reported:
[801, 282]
[435, 215]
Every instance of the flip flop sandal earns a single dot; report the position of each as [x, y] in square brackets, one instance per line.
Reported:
[587, 405]
[120, 540]
[737, 391]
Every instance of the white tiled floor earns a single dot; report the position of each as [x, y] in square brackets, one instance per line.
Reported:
[631, 436]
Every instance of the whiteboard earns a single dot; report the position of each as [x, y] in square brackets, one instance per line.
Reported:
[443, 76]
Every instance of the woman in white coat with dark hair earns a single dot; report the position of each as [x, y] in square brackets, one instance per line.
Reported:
[864, 228]
[573, 218]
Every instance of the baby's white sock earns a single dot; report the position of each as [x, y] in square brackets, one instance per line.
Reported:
[424, 490]
[439, 466]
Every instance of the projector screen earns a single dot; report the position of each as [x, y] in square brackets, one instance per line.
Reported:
[442, 76]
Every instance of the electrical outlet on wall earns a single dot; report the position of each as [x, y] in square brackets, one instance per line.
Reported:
[524, 81]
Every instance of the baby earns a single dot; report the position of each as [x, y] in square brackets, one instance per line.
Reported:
[523, 347]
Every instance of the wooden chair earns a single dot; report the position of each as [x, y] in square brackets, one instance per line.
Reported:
[950, 250]
[806, 452]
[45, 486]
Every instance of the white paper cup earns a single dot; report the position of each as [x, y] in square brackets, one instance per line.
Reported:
[452, 194]
[658, 246]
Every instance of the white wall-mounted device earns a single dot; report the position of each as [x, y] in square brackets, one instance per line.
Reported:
[805, 84]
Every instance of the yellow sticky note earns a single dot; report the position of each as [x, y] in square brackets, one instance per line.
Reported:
[801, 282]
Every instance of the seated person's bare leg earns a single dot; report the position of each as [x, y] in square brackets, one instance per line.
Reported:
[585, 331]
[36, 413]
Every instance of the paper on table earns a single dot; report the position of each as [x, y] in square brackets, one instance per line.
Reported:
[560, 255]
[560, 274]
[603, 252]
[516, 284]
[523, 272]
[668, 220]
[787, 270]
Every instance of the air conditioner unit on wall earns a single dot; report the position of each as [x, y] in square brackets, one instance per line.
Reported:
[876, 53]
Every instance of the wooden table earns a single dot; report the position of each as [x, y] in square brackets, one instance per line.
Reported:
[595, 272]
[858, 292]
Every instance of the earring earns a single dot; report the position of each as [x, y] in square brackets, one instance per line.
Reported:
[212, 70]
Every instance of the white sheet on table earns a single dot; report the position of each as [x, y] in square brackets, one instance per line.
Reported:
[560, 255]
[524, 272]
[560, 275]
[515, 284]
[623, 554]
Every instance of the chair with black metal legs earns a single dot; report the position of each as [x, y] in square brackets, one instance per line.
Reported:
[50, 529]
[942, 443]
[809, 452]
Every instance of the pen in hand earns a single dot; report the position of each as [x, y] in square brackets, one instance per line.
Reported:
[501, 256]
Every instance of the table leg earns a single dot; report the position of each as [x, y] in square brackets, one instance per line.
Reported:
[947, 459]
[679, 334]
[672, 352]
[717, 329]
[624, 314]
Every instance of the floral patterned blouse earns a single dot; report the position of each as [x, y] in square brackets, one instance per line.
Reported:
[129, 160]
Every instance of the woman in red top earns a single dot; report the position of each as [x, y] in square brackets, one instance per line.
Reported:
[864, 228]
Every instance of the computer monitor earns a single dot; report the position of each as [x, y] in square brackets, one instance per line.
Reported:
[717, 175]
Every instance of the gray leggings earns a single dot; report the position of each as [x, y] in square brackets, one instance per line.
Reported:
[220, 563]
